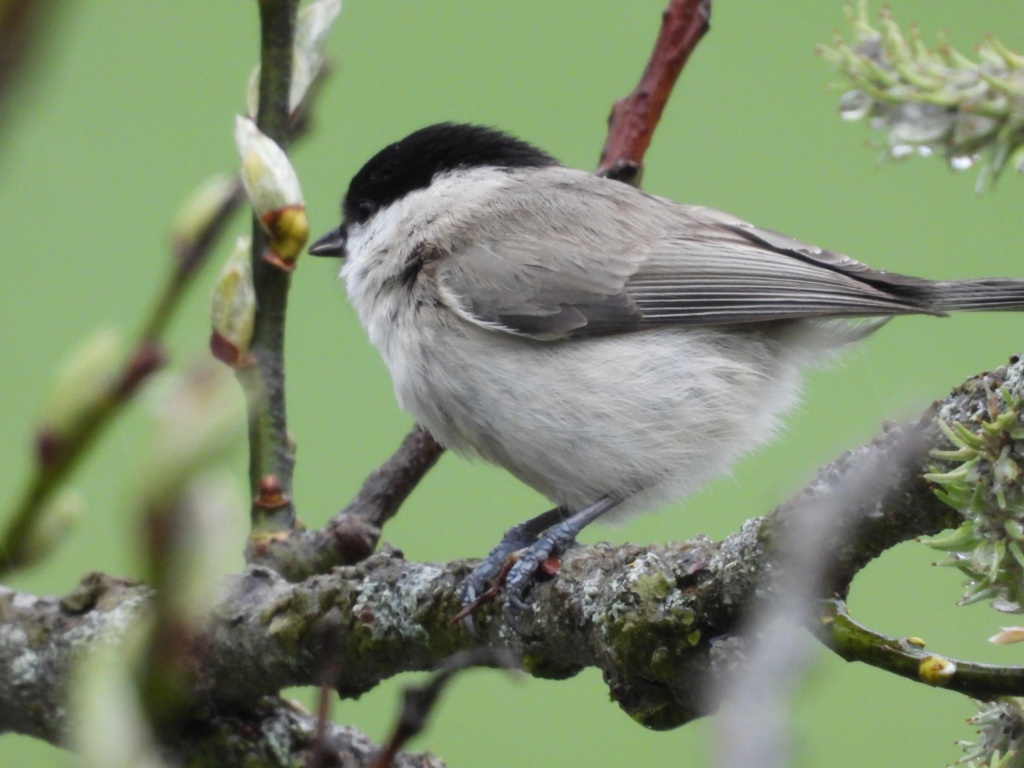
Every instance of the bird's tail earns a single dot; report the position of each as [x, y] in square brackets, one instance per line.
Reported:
[976, 295]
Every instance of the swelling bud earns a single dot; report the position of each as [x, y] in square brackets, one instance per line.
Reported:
[233, 309]
[274, 192]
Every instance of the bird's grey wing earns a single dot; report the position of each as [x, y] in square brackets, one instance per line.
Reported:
[687, 266]
[541, 288]
[722, 270]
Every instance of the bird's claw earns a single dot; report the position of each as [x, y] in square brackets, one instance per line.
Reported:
[474, 584]
[524, 551]
[516, 574]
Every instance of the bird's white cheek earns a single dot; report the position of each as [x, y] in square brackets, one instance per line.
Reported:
[373, 261]
[353, 268]
[375, 250]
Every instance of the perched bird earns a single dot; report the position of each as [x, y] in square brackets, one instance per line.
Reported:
[610, 348]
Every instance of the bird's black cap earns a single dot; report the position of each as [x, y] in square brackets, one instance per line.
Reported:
[413, 162]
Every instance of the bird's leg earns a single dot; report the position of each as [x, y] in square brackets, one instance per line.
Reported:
[557, 538]
[518, 537]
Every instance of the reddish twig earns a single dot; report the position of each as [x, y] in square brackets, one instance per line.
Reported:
[634, 118]
[22, 25]
[327, 646]
[419, 701]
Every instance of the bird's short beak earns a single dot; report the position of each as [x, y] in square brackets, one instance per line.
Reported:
[331, 244]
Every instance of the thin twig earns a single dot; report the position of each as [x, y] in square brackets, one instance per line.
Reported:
[384, 490]
[353, 533]
[907, 658]
[419, 701]
[329, 632]
[189, 256]
[22, 23]
[59, 452]
[633, 119]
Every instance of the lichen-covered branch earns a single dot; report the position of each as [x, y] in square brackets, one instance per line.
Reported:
[43, 639]
[659, 621]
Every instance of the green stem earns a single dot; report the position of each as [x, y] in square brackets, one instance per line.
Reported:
[270, 451]
[906, 657]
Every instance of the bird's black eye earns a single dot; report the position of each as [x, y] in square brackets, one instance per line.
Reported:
[364, 210]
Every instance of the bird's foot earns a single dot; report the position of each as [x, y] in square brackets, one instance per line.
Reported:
[483, 584]
[525, 551]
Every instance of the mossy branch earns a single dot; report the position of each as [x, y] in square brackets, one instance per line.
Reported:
[655, 620]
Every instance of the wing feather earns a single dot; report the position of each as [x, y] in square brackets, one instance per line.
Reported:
[685, 266]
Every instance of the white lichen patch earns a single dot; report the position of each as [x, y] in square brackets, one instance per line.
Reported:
[386, 609]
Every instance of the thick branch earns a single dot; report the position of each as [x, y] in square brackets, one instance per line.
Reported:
[653, 619]
[43, 639]
[277, 732]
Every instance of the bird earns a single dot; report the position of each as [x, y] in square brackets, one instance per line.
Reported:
[610, 348]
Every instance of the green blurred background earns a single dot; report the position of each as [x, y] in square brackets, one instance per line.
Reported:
[131, 105]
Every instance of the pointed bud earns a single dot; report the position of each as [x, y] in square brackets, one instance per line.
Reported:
[1008, 635]
[233, 309]
[83, 380]
[312, 27]
[274, 191]
[200, 208]
[50, 525]
[269, 178]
